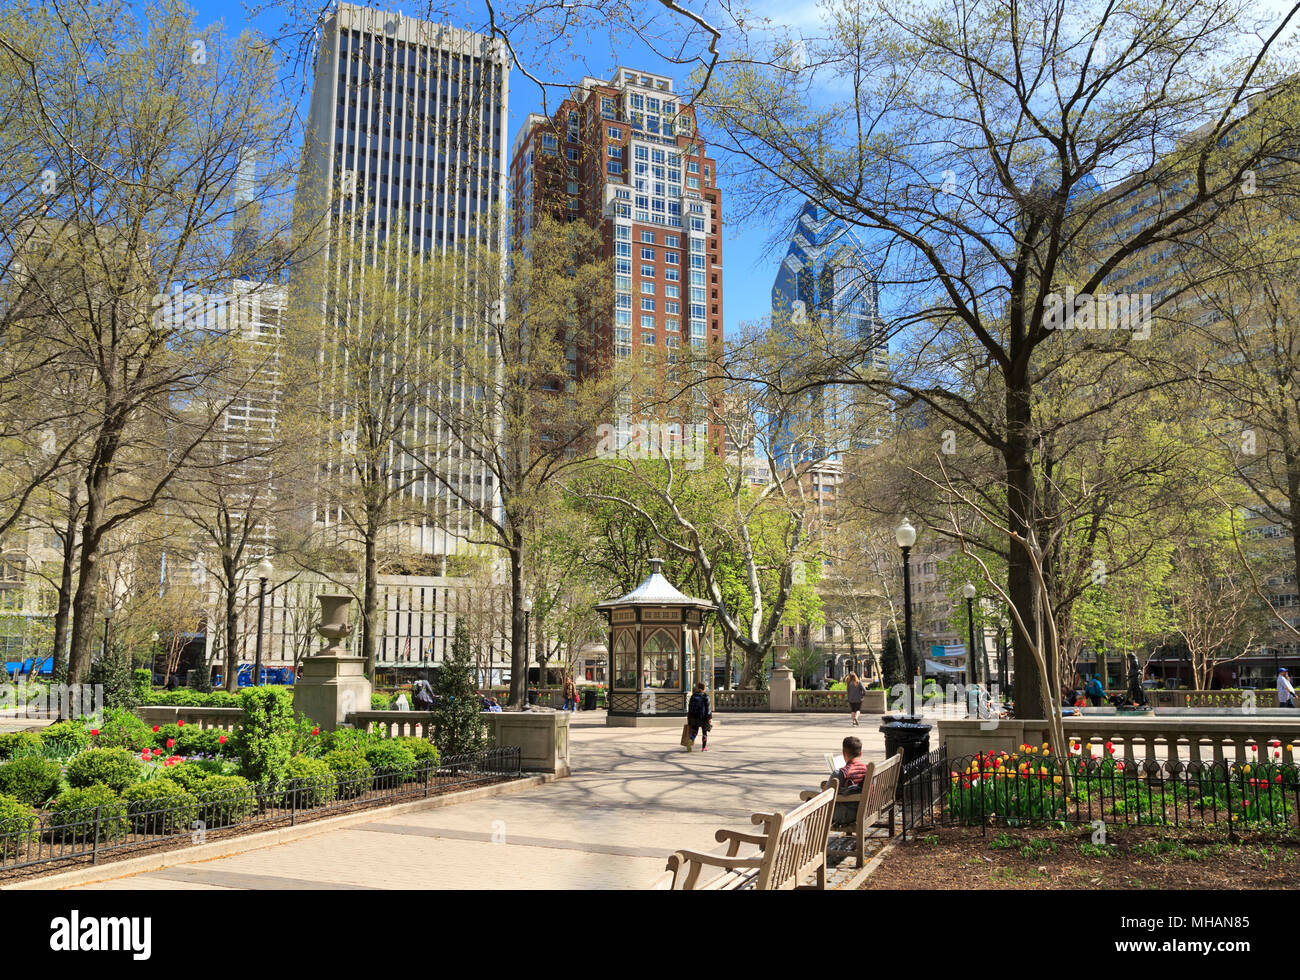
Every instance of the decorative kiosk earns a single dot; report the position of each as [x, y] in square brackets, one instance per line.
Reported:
[656, 653]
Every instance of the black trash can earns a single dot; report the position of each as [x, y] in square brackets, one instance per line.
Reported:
[589, 700]
[532, 696]
[906, 732]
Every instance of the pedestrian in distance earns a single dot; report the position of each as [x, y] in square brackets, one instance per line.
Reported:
[699, 718]
[855, 692]
[1285, 692]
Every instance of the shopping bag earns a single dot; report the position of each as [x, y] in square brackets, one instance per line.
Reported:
[686, 734]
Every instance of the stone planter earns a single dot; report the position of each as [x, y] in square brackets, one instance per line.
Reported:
[333, 684]
[542, 737]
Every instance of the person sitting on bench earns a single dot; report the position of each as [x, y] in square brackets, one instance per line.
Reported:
[850, 775]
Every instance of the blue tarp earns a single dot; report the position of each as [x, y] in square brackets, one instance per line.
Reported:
[31, 666]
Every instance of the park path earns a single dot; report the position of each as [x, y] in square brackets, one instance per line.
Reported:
[633, 798]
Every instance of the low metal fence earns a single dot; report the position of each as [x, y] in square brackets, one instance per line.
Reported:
[121, 827]
[1033, 789]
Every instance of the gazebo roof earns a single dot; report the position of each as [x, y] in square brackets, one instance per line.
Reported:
[655, 591]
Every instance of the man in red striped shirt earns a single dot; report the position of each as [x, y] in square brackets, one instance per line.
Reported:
[850, 775]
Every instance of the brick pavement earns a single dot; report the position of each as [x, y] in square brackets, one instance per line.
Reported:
[634, 797]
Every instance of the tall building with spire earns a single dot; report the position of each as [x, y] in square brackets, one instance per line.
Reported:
[826, 274]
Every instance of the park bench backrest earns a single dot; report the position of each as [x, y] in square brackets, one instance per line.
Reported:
[882, 785]
[796, 845]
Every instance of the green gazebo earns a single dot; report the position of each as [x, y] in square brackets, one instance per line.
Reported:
[656, 653]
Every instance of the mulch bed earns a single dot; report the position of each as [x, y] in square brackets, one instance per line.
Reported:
[1133, 857]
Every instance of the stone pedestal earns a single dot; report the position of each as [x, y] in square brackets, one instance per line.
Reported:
[331, 688]
[781, 691]
[542, 737]
[333, 683]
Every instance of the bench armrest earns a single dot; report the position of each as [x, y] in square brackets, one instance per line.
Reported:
[719, 860]
[737, 837]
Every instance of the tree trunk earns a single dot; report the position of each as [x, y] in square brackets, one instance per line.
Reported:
[85, 599]
[1021, 585]
[64, 610]
[518, 630]
[370, 601]
[232, 630]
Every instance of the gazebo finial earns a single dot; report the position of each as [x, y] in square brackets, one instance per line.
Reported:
[656, 566]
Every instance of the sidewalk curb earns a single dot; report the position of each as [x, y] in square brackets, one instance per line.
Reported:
[267, 838]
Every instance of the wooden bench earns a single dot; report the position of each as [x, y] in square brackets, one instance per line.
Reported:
[788, 852]
[874, 804]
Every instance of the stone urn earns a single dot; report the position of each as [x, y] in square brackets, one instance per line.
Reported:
[333, 684]
[334, 625]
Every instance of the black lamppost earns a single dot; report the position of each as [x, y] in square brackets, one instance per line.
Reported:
[108, 615]
[968, 591]
[264, 572]
[528, 650]
[907, 732]
[906, 537]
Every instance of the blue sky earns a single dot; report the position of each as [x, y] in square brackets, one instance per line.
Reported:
[748, 273]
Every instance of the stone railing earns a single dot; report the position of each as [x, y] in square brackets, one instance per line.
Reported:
[223, 718]
[1245, 738]
[542, 736]
[820, 701]
[1212, 699]
[740, 701]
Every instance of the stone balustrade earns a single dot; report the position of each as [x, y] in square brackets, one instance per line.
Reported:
[542, 736]
[1243, 738]
[1213, 699]
[740, 700]
[224, 718]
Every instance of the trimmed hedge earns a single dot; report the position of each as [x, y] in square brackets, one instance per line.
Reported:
[123, 730]
[423, 750]
[17, 827]
[353, 772]
[392, 762]
[18, 743]
[184, 697]
[312, 781]
[31, 779]
[160, 806]
[72, 815]
[115, 768]
[190, 775]
[66, 735]
[225, 800]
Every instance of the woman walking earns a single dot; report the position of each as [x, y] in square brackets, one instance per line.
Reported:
[855, 692]
[570, 695]
[699, 718]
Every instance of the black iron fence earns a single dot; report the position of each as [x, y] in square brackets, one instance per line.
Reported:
[120, 826]
[1037, 789]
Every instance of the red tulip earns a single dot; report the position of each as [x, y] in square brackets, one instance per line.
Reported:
[170, 743]
[315, 731]
[180, 724]
[157, 751]
[155, 728]
[94, 731]
[221, 740]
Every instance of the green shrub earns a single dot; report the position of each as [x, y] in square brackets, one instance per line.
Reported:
[143, 684]
[380, 702]
[425, 752]
[266, 734]
[123, 730]
[200, 679]
[185, 697]
[311, 780]
[72, 815]
[225, 800]
[392, 762]
[71, 735]
[190, 739]
[18, 743]
[115, 768]
[160, 806]
[355, 775]
[30, 779]
[349, 740]
[190, 775]
[17, 827]
[458, 725]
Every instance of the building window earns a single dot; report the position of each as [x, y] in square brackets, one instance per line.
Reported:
[549, 144]
[648, 339]
[647, 304]
[672, 324]
[648, 271]
[670, 241]
[671, 257]
[647, 321]
[615, 167]
[648, 237]
[648, 288]
[615, 132]
[647, 254]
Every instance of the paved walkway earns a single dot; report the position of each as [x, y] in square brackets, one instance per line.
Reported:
[635, 797]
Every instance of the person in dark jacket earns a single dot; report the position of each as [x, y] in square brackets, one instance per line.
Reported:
[699, 716]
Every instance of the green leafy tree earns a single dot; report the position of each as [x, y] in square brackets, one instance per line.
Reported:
[457, 722]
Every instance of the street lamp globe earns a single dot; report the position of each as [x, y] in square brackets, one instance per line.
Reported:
[968, 590]
[528, 605]
[264, 568]
[905, 534]
[153, 637]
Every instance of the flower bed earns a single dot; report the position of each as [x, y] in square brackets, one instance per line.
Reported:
[1035, 786]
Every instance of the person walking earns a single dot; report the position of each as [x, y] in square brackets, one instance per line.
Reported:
[855, 692]
[699, 718]
[570, 695]
[1285, 692]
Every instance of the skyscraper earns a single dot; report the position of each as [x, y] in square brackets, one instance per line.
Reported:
[406, 146]
[625, 156]
[825, 274]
